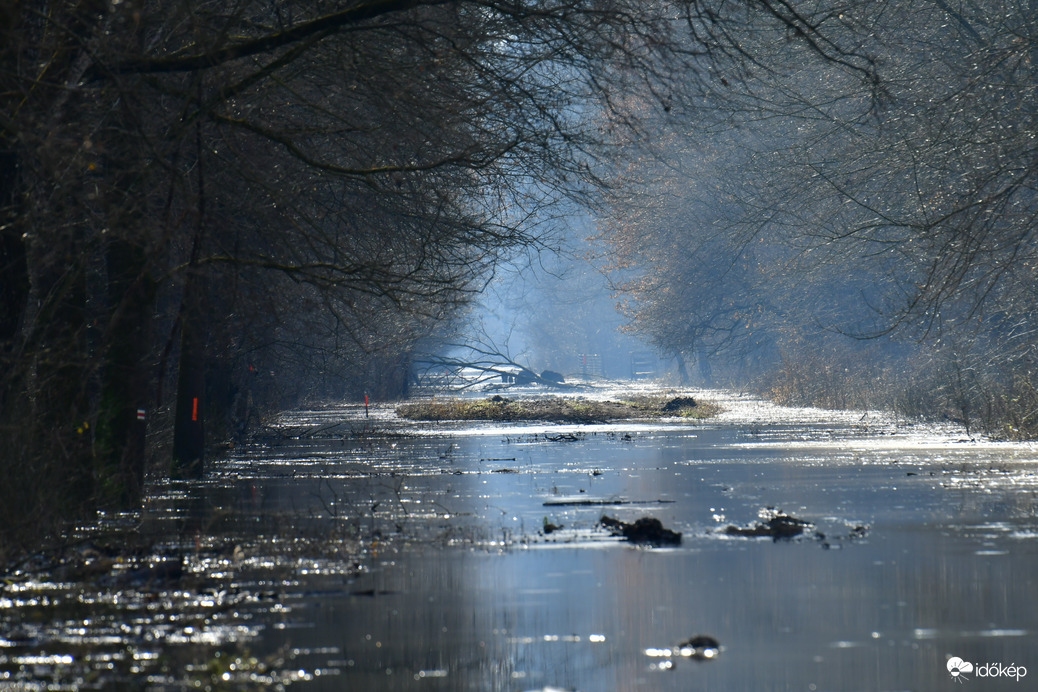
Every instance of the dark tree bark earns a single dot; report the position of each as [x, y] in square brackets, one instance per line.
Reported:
[119, 446]
[191, 402]
[14, 288]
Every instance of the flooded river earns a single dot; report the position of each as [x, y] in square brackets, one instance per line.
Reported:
[350, 553]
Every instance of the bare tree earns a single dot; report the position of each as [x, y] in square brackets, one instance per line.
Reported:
[891, 194]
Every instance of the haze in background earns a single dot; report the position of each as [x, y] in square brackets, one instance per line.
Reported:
[558, 312]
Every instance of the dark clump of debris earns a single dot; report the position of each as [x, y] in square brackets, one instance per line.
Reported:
[858, 532]
[679, 403]
[779, 526]
[549, 527]
[646, 530]
[701, 647]
[775, 525]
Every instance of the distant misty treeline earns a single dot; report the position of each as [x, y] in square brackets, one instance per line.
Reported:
[855, 228]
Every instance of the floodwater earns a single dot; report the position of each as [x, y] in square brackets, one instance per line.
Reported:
[350, 553]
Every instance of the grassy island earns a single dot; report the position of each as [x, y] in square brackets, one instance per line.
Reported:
[557, 409]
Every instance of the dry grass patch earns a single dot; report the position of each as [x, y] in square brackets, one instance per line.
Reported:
[557, 410]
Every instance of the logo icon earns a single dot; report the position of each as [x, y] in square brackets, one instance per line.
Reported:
[957, 668]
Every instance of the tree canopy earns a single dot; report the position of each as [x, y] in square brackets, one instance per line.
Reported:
[813, 205]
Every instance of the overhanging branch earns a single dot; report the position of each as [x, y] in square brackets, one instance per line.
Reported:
[326, 25]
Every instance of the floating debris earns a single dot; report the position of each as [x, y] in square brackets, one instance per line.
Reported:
[776, 525]
[701, 647]
[779, 526]
[647, 530]
[601, 502]
[549, 527]
[564, 437]
[858, 532]
[373, 592]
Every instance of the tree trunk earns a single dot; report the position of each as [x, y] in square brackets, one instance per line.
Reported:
[189, 413]
[682, 368]
[119, 439]
[56, 415]
[15, 285]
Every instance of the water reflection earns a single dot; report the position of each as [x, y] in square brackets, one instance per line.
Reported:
[341, 561]
[791, 616]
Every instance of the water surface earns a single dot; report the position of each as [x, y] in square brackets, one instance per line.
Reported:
[325, 557]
